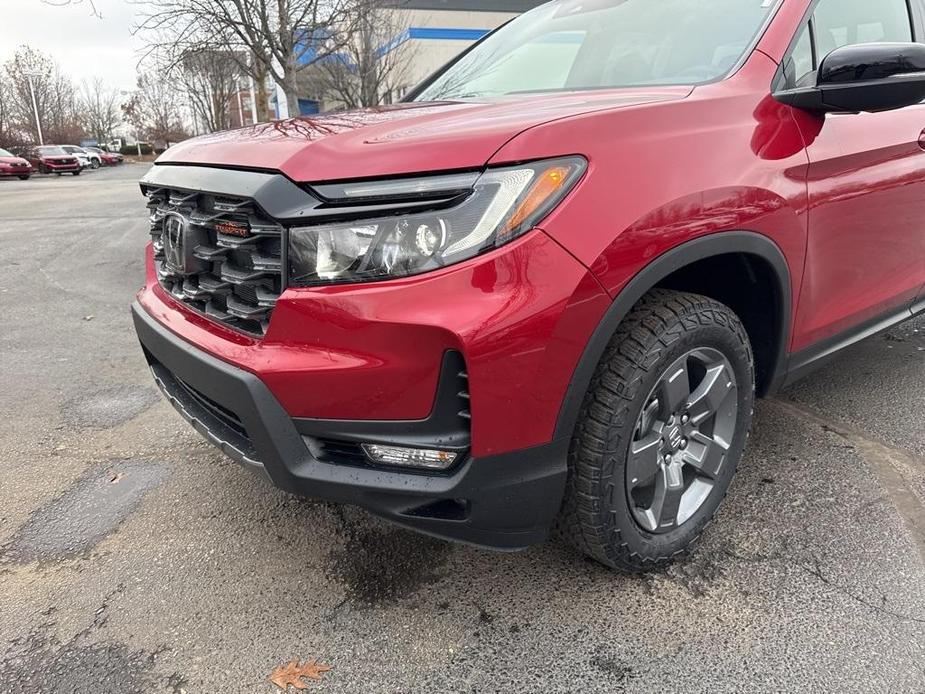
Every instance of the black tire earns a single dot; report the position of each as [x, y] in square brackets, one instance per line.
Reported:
[75, 173]
[598, 516]
[24, 178]
[94, 164]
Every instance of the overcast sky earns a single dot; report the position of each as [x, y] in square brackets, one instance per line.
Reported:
[83, 45]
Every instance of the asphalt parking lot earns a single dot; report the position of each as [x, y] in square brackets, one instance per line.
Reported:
[135, 558]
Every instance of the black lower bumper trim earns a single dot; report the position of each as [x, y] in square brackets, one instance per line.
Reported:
[506, 501]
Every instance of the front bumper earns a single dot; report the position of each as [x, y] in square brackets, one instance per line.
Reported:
[61, 168]
[505, 501]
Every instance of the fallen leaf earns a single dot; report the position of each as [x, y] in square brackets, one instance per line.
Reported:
[292, 674]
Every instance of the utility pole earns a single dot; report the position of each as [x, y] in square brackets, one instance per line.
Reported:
[35, 106]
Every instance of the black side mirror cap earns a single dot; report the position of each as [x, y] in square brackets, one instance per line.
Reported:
[869, 77]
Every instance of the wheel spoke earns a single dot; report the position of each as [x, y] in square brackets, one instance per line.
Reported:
[706, 454]
[669, 488]
[674, 389]
[710, 394]
[643, 461]
[647, 418]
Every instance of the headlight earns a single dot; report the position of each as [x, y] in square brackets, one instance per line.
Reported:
[501, 205]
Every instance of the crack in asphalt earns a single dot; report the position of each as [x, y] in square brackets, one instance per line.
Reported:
[886, 462]
[816, 572]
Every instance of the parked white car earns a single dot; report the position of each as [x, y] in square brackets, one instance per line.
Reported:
[85, 157]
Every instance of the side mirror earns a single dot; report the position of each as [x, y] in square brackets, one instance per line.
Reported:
[869, 77]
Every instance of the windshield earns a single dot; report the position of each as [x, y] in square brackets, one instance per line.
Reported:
[49, 151]
[594, 44]
[4, 153]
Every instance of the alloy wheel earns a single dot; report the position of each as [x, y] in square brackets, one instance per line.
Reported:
[681, 440]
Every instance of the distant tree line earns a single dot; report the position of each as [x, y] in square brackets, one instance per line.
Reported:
[66, 112]
[202, 56]
[332, 50]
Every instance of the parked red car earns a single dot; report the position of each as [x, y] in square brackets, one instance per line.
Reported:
[546, 290]
[11, 165]
[52, 159]
[108, 158]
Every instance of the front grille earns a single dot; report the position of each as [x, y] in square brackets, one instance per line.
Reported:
[234, 278]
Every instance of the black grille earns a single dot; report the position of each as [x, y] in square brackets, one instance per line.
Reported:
[232, 263]
[463, 395]
[340, 452]
[223, 414]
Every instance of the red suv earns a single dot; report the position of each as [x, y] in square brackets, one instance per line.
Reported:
[49, 159]
[546, 289]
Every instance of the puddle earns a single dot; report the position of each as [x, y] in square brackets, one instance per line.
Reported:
[92, 508]
[381, 567]
[41, 664]
[108, 407]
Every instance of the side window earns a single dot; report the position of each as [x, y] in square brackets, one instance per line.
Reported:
[837, 23]
[803, 59]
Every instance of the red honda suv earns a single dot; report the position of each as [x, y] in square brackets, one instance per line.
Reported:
[50, 159]
[544, 291]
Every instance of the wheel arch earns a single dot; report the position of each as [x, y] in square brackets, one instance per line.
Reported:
[743, 243]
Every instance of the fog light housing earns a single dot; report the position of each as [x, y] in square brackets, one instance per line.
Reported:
[410, 457]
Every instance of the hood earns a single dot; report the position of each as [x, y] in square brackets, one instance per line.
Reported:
[401, 139]
[12, 160]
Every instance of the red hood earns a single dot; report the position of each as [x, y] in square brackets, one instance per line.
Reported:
[401, 139]
[12, 160]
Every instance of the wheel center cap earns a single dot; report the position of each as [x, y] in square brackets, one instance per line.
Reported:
[674, 437]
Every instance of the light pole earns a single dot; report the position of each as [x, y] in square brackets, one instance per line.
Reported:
[35, 106]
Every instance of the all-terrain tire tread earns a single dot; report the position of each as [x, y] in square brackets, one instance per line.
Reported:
[660, 319]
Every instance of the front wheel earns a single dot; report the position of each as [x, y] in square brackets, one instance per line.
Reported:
[94, 164]
[24, 178]
[75, 173]
[661, 431]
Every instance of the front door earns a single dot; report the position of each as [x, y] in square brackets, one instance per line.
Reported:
[866, 184]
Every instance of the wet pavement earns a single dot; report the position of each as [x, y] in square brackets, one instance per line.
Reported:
[135, 558]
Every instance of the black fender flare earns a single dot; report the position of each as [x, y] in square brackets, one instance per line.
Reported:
[722, 243]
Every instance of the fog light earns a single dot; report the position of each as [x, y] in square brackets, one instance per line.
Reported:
[410, 457]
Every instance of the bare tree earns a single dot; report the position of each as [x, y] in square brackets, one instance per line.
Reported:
[9, 134]
[62, 3]
[280, 38]
[373, 63]
[55, 97]
[213, 80]
[65, 118]
[100, 109]
[153, 109]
